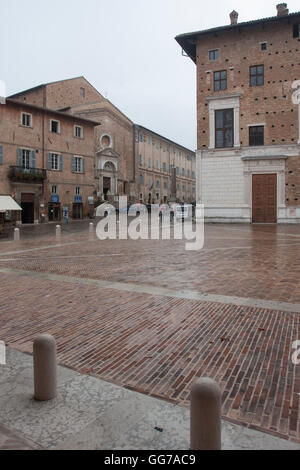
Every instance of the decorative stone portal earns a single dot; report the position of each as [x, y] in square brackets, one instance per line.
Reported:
[107, 173]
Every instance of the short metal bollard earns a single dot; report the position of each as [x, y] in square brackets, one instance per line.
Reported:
[91, 231]
[205, 415]
[45, 367]
[58, 232]
[17, 235]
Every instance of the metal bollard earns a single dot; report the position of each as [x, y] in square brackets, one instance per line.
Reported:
[58, 232]
[205, 417]
[17, 234]
[91, 231]
[45, 367]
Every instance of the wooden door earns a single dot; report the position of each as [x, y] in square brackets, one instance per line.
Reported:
[264, 199]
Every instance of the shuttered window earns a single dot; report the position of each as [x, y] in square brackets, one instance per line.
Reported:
[26, 159]
[54, 161]
[78, 165]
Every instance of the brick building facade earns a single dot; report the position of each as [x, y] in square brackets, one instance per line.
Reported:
[248, 131]
[118, 147]
[46, 161]
[156, 156]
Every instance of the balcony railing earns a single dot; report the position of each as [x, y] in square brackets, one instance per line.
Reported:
[30, 175]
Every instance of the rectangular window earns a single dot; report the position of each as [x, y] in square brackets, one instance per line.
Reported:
[78, 165]
[157, 164]
[1, 155]
[54, 126]
[220, 80]
[140, 159]
[263, 46]
[158, 184]
[193, 175]
[165, 185]
[25, 159]
[141, 179]
[82, 92]
[26, 119]
[224, 128]
[214, 54]
[295, 30]
[177, 170]
[54, 162]
[164, 166]
[257, 75]
[256, 135]
[54, 189]
[149, 162]
[188, 173]
[183, 172]
[78, 132]
[77, 191]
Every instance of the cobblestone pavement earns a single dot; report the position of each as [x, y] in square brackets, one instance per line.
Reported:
[131, 313]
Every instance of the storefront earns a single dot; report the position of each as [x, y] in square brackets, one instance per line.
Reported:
[77, 211]
[7, 204]
[54, 210]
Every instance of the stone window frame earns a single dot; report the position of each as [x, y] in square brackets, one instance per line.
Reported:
[23, 122]
[224, 102]
[58, 126]
[76, 126]
[78, 164]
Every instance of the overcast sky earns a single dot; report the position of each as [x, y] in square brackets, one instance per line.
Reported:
[125, 48]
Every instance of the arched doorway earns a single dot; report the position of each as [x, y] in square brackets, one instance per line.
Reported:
[109, 180]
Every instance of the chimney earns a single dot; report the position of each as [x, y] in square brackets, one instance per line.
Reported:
[234, 17]
[282, 9]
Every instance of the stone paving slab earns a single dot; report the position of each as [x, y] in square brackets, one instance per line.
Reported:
[10, 440]
[90, 413]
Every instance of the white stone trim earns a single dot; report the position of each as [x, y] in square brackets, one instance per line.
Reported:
[299, 123]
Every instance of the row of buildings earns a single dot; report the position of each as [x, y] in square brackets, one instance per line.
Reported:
[248, 118]
[64, 148]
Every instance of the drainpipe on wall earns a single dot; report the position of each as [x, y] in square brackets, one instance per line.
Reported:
[43, 154]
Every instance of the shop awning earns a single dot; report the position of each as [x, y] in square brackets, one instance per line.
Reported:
[7, 203]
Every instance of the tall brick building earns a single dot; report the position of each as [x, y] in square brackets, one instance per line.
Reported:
[46, 161]
[248, 142]
[117, 145]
